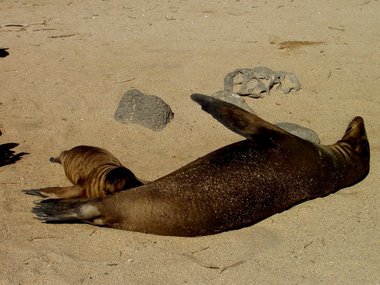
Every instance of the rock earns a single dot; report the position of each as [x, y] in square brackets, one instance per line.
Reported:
[299, 131]
[233, 99]
[148, 111]
[289, 82]
[253, 82]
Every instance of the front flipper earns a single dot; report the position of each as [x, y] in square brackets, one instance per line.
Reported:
[238, 120]
[61, 192]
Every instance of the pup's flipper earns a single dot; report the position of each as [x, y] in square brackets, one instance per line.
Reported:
[61, 192]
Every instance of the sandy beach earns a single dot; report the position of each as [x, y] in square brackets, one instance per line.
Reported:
[69, 64]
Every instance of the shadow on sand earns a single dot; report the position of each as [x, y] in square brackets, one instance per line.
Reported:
[7, 155]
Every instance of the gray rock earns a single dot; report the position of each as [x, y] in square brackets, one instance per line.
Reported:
[233, 99]
[299, 131]
[148, 111]
[289, 82]
[253, 82]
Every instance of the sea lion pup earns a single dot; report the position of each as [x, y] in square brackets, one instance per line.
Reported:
[94, 172]
[232, 187]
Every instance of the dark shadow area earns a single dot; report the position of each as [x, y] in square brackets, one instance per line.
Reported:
[7, 155]
[3, 52]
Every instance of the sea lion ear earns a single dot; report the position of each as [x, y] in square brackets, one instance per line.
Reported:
[236, 119]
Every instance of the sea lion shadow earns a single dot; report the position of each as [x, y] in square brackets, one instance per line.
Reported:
[7, 155]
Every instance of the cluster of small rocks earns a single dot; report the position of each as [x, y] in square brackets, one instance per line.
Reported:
[255, 82]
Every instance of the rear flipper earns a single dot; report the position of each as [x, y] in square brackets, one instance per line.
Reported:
[65, 210]
[61, 192]
[54, 160]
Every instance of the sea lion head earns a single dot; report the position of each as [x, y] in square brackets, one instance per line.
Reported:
[120, 178]
[356, 137]
[354, 147]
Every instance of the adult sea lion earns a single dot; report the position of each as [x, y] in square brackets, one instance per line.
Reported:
[232, 187]
[94, 172]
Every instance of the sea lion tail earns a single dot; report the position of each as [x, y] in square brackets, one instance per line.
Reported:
[62, 210]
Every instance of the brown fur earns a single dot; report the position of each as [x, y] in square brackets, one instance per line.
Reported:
[94, 172]
[232, 187]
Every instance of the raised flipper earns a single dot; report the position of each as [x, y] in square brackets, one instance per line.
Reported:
[238, 120]
[61, 192]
